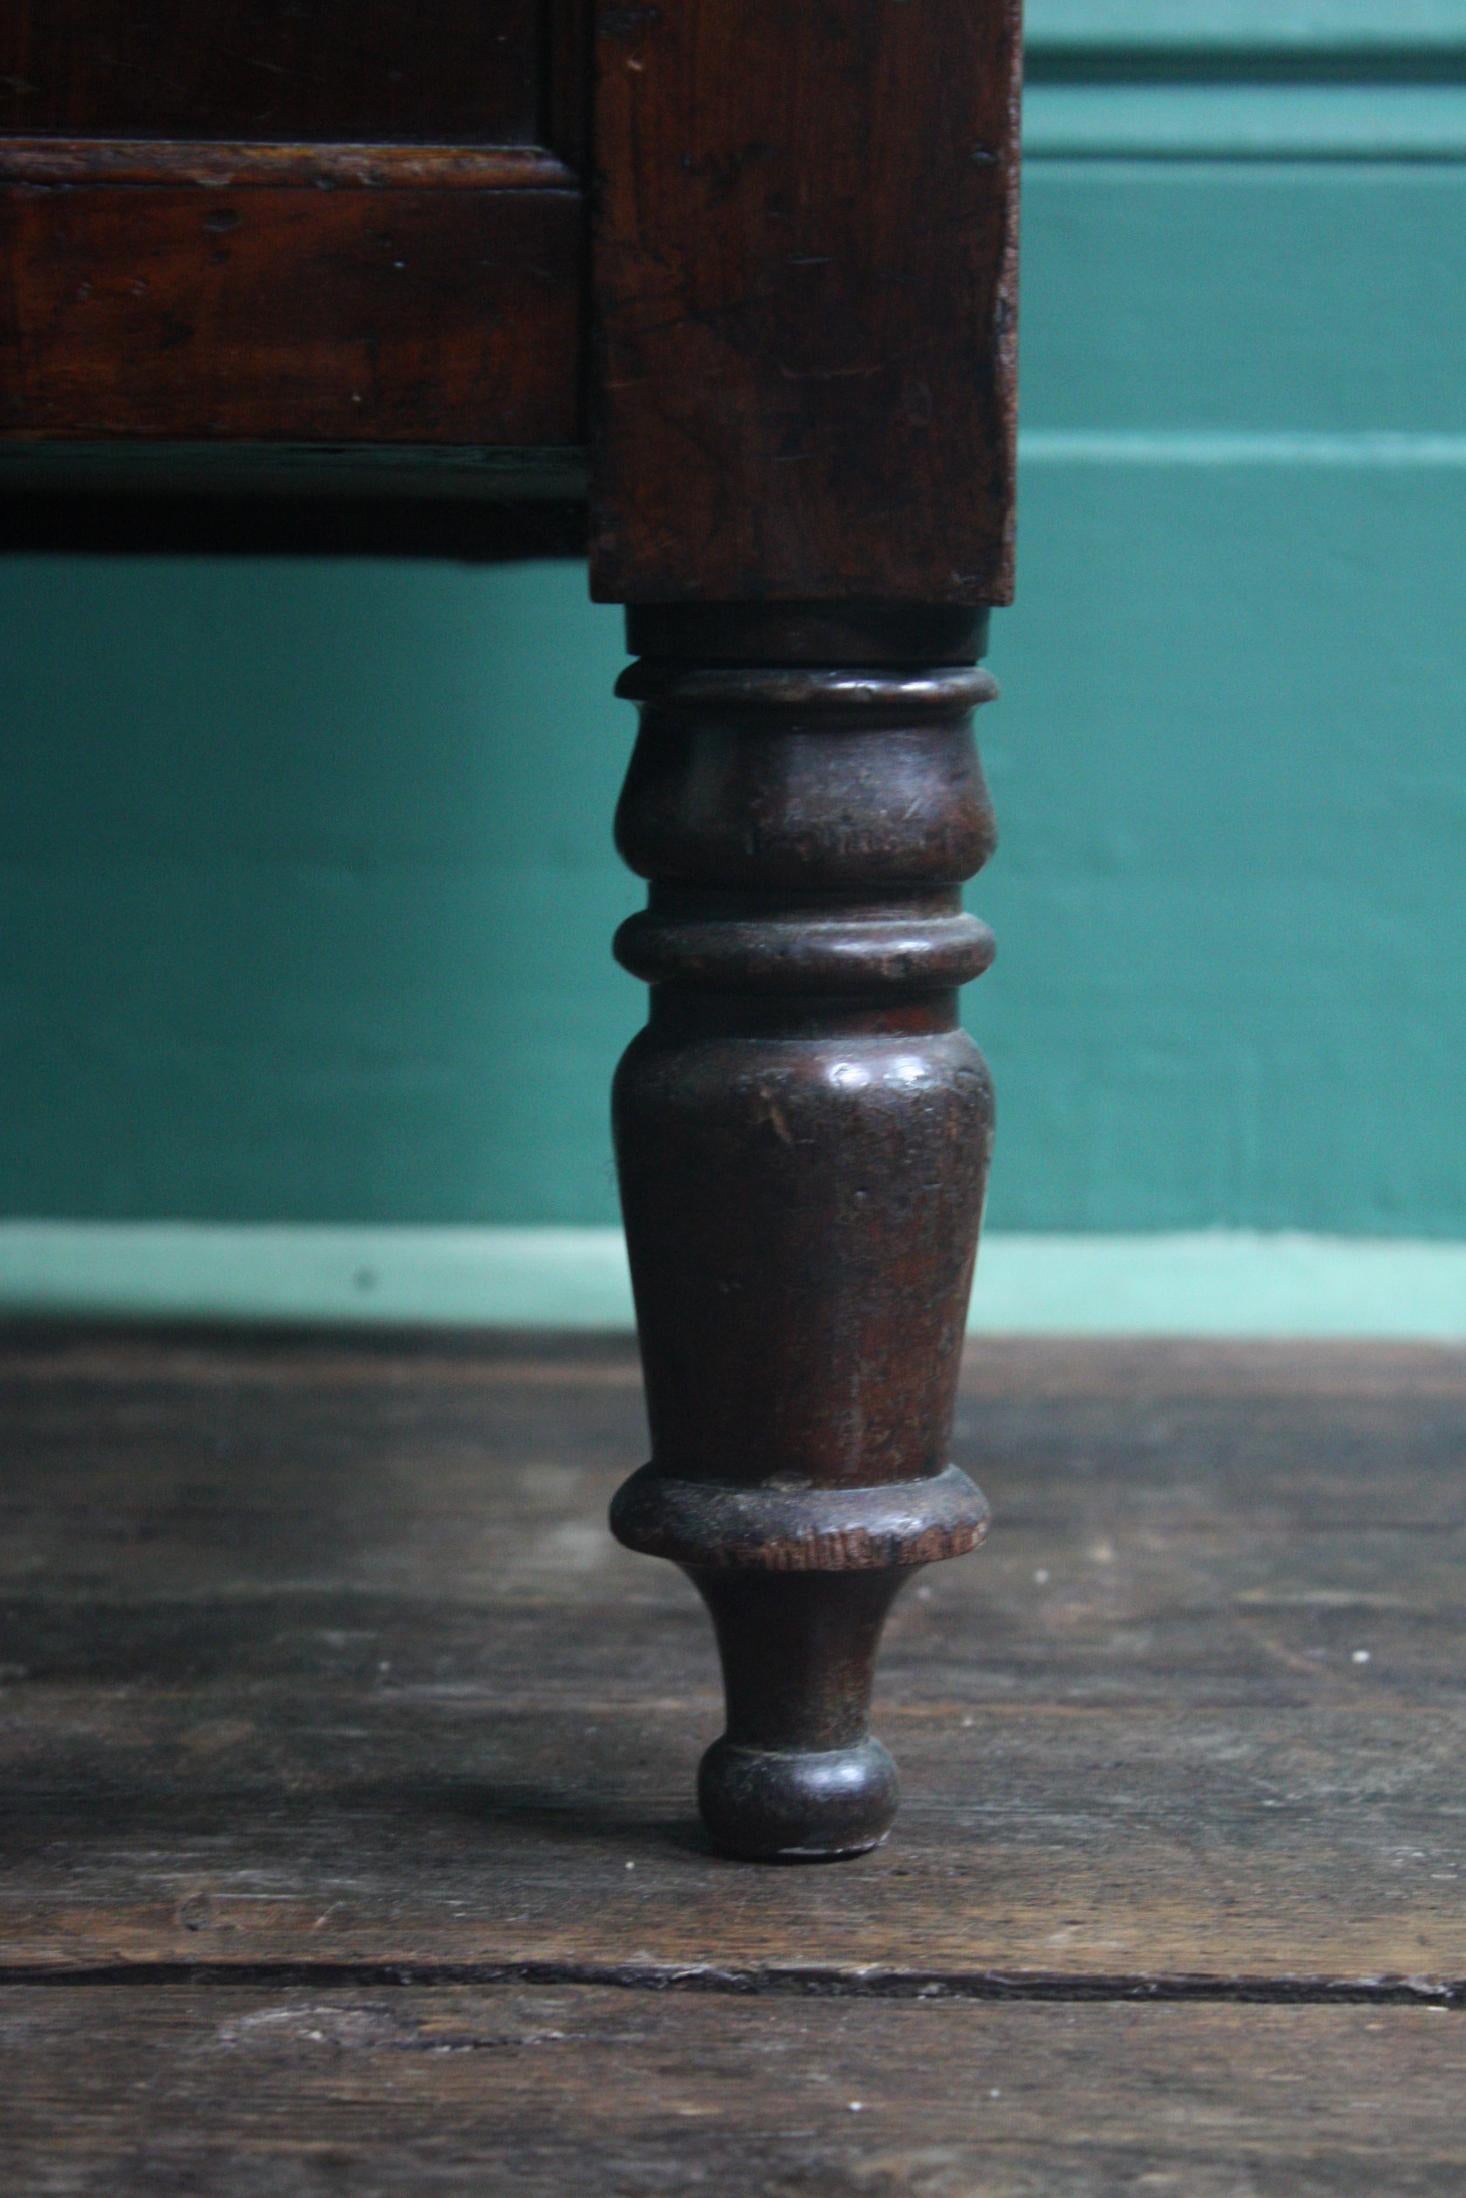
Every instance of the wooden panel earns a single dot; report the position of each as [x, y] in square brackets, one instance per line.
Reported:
[804, 269]
[468, 70]
[291, 315]
[371, 2090]
[320, 1653]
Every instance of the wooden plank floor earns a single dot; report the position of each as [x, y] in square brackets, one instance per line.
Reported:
[345, 1839]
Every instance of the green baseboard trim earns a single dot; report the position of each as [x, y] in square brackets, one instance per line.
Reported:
[1245, 121]
[1217, 1284]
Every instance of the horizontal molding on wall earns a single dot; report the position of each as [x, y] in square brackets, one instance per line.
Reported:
[1370, 449]
[1223, 27]
[1246, 80]
[1227, 120]
[1217, 1284]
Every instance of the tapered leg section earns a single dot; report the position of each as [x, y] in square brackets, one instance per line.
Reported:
[802, 1136]
[797, 1773]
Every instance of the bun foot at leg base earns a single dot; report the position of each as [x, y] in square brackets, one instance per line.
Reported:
[773, 1805]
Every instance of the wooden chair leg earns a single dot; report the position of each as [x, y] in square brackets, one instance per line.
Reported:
[802, 1134]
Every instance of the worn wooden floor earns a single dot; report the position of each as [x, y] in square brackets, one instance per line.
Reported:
[345, 1840]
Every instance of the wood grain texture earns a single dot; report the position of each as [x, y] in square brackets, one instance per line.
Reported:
[235, 164]
[804, 267]
[314, 2090]
[284, 314]
[317, 1651]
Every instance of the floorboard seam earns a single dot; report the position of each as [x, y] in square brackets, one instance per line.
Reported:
[766, 1982]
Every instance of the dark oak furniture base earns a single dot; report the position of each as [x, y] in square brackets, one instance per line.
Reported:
[721, 295]
[346, 1833]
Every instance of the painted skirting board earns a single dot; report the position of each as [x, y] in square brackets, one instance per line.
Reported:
[1222, 1283]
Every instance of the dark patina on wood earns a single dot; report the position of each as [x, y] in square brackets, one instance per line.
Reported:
[266, 228]
[804, 299]
[802, 1134]
[802, 411]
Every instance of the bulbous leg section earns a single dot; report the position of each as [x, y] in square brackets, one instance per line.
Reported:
[815, 1805]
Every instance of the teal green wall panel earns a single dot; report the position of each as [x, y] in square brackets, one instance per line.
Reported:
[1288, 297]
[306, 878]
[1232, 767]
[306, 884]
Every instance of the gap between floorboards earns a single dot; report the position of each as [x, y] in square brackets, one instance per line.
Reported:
[774, 1982]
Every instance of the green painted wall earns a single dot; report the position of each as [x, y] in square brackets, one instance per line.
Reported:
[305, 877]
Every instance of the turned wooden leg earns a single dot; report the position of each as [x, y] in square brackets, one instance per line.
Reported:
[802, 1133]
